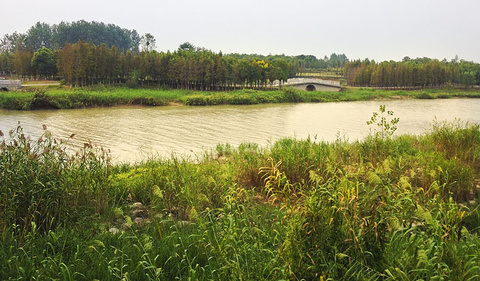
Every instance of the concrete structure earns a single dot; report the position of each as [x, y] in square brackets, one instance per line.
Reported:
[8, 85]
[311, 84]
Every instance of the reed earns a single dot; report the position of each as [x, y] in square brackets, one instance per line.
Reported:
[389, 208]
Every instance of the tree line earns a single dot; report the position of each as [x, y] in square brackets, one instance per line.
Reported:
[84, 53]
[82, 64]
[412, 73]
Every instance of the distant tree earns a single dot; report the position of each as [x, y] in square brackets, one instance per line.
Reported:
[148, 42]
[135, 40]
[467, 78]
[12, 42]
[39, 36]
[455, 60]
[66, 63]
[187, 46]
[22, 61]
[56, 36]
[43, 62]
[6, 63]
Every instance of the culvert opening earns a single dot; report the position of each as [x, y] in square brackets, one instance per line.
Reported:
[310, 88]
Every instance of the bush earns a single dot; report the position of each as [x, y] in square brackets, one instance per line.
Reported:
[196, 100]
[41, 100]
[291, 95]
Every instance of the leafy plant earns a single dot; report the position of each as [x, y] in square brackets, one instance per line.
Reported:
[386, 126]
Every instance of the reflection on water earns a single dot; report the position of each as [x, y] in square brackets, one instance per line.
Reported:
[134, 133]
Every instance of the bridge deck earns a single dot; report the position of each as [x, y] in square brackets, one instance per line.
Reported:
[306, 81]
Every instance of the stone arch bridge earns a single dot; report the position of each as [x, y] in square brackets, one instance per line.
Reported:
[311, 84]
[8, 85]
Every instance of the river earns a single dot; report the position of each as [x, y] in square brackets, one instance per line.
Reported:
[136, 133]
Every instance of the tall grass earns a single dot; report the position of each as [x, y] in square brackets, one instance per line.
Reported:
[386, 208]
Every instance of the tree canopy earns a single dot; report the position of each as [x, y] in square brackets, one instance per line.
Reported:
[189, 68]
[44, 62]
[412, 73]
[55, 36]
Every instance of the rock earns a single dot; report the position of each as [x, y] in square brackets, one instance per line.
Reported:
[417, 224]
[138, 221]
[137, 205]
[138, 213]
[114, 230]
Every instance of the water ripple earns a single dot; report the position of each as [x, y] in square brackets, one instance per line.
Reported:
[133, 133]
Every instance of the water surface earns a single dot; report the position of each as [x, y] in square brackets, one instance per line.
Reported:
[135, 133]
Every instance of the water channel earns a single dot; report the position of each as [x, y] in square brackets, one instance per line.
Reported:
[136, 133]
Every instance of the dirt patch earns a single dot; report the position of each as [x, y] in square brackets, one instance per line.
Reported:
[172, 103]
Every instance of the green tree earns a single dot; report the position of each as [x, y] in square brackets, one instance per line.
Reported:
[43, 62]
[12, 42]
[39, 36]
[148, 42]
[187, 46]
[6, 63]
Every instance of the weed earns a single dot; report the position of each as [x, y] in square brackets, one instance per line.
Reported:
[386, 127]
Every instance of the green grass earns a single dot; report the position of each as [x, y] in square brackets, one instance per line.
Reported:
[385, 208]
[60, 97]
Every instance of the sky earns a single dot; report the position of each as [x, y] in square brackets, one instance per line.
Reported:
[374, 29]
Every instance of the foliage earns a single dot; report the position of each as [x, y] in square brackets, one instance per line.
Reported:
[148, 42]
[84, 59]
[43, 35]
[104, 95]
[412, 74]
[42, 185]
[43, 62]
[387, 127]
[391, 208]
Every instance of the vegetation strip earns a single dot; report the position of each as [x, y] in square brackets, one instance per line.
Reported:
[57, 97]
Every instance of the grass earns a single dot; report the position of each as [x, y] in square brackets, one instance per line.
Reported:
[385, 208]
[60, 97]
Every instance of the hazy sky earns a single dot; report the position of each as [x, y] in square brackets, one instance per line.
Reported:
[374, 29]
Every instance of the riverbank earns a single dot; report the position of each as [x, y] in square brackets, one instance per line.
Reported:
[383, 208]
[60, 97]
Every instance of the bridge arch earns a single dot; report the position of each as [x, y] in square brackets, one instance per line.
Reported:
[310, 87]
[4, 89]
[311, 84]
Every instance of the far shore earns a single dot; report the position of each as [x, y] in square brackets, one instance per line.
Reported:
[54, 96]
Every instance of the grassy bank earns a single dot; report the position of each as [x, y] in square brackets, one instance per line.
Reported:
[389, 208]
[58, 97]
